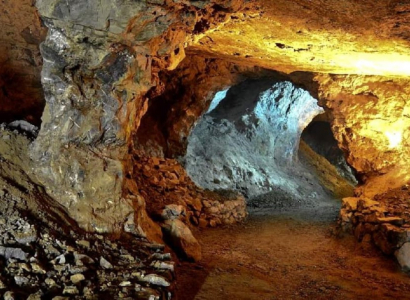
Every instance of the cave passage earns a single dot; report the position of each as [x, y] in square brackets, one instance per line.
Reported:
[258, 138]
[239, 136]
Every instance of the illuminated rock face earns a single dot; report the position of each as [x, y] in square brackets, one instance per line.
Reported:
[108, 65]
[250, 141]
[100, 60]
[370, 121]
[338, 37]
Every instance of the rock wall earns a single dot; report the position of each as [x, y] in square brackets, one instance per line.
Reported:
[165, 182]
[370, 121]
[115, 80]
[100, 59]
[21, 95]
[250, 141]
[319, 136]
[186, 94]
[384, 222]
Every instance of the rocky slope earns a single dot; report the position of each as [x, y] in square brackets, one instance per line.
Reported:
[43, 253]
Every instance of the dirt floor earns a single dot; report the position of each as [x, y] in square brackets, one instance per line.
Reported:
[292, 254]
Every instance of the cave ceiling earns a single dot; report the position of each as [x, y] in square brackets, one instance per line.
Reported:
[340, 37]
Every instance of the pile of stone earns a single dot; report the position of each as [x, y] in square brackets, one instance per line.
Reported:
[385, 223]
[164, 181]
[45, 261]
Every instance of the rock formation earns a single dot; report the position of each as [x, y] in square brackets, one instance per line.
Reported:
[124, 82]
[250, 141]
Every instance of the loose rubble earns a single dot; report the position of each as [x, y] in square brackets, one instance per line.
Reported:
[385, 221]
[164, 181]
[42, 261]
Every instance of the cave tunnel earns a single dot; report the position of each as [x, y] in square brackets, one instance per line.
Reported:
[204, 149]
[257, 138]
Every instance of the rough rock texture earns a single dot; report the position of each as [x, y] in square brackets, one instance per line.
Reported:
[339, 37]
[42, 260]
[43, 253]
[97, 69]
[164, 182]
[187, 93]
[319, 136]
[180, 237]
[250, 141]
[108, 67]
[384, 222]
[370, 121]
[101, 69]
[21, 95]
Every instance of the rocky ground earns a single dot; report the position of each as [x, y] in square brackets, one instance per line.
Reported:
[293, 254]
[164, 181]
[44, 261]
[44, 255]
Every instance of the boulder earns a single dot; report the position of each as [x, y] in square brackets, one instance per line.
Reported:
[403, 256]
[182, 240]
[173, 211]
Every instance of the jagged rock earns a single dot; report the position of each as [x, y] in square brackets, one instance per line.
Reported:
[61, 260]
[81, 259]
[350, 203]
[21, 281]
[2, 285]
[24, 126]
[77, 278]
[77, 269]
[35, 296]
[155, 280]
[250, 140]
[365, 203]
[172, 212]
[163, 265]
[161, 256]
[17, 253]
[50, 282]
[105, 263]
[37, 269]
[393, 220]
[84, 243]
[70, 290]
[8, 295]
[28, 235]
[125, 283]
[181, 238]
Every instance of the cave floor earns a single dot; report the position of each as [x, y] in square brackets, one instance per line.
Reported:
[293, 254]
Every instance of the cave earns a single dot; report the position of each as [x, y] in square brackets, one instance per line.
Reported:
[165, 149]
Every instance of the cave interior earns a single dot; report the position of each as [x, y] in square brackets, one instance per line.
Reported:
[135, 134]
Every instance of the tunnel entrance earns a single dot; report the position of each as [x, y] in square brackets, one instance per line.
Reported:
[262, 138]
